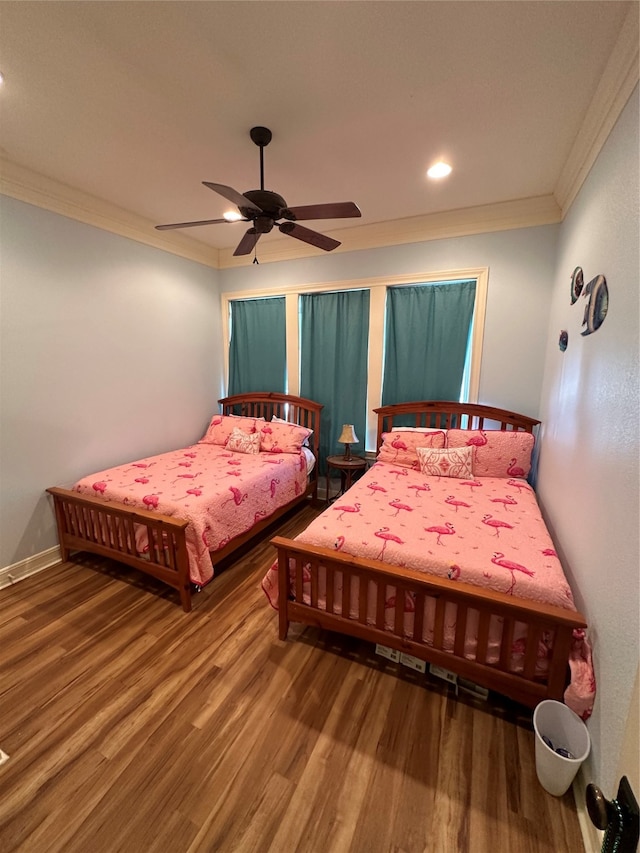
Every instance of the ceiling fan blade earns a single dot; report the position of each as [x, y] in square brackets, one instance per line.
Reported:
[233, 196]
[190, 224]
[248, 242]
[337, 210]
[309, 236]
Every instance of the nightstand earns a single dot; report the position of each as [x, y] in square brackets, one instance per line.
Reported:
[347, 468]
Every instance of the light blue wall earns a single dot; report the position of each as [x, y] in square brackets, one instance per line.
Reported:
[589, 466]
[521, 275]
[111, 350]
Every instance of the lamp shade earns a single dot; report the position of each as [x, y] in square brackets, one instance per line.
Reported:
[348, 435]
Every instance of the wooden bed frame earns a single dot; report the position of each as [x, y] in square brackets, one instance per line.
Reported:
[89, 524]
[526, 687]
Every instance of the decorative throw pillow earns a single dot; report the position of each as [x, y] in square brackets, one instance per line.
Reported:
[400, 448]
[498, 453]
[221, 427]
[452, 462]
[278, 437]
[242, 442]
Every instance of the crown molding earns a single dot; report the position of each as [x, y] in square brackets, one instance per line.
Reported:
[616, 86]
[21, 183]
[502, 216]
[25, 185]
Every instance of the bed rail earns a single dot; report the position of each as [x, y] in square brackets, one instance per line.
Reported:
[300, 563]
[109, 529]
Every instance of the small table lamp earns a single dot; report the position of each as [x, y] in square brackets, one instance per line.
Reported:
[348, 437]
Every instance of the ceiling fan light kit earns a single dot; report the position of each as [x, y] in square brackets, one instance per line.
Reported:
[264, 208]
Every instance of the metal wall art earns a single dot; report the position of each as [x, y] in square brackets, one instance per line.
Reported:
[563, 340]
[597, 295]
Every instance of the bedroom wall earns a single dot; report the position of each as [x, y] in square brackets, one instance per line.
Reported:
[520, 263]
[110, 351]
[588, 476]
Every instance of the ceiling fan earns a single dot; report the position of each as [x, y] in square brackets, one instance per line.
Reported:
[264, 208]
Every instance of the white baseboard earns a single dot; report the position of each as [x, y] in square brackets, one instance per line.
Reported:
[591, 836]
[29, 566]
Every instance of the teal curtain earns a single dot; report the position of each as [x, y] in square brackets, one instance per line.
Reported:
[427, 333]
[257, 348]
[334, 334]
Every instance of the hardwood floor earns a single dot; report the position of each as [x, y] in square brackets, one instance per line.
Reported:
[132, 726]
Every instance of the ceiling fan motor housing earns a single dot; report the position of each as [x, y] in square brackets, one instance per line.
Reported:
[270, 203]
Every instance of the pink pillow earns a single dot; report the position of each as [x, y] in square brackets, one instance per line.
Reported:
[244, 442]
[400, 447]
[222, 426]
[450, 462]
[498, 453]
[282, 438]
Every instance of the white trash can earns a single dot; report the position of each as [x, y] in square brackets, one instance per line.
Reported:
[563, 729]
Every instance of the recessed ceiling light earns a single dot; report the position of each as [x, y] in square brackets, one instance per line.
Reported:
[232, 216]
[1, 78]
[439, 170]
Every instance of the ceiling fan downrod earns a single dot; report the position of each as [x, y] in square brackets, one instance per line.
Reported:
[262, 137]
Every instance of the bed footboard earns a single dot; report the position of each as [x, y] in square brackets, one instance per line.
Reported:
[317, 586]
[109, 529]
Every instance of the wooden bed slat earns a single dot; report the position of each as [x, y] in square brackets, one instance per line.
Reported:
[484, 623]
[418, 616]
[313, 568]
[398, 615]
[362, 599]
[381, 597]
[346, 595]
[438, 625]
[461, 629]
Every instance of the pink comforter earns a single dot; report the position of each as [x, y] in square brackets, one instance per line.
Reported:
[222, 494]
[487, 531]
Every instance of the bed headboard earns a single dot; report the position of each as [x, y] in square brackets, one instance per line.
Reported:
[442, 414]
[271, 404]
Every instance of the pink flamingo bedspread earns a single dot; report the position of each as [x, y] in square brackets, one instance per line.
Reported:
[486, 531]
[221, 493]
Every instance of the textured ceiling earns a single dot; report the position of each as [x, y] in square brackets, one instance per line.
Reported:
[138, 103]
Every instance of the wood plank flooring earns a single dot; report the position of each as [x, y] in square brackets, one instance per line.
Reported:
[134, 727]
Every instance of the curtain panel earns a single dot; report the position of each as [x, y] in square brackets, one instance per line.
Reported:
[427, 333]
[257, 348]
[334, 334]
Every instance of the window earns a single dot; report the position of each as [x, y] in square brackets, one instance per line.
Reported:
[377, 289]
